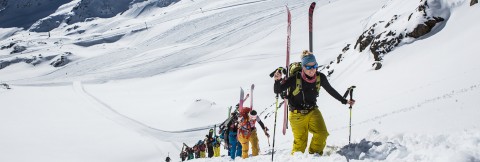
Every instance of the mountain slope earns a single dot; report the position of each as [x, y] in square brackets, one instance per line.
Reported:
[142, 83]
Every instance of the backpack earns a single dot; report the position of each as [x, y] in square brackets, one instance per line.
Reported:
[294, 69]
[216, 142]
[222, 134]
[244, 127]
[233, 124]
[246, 124]
[202, 147]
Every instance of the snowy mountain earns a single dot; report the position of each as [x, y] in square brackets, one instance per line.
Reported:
[23, 13]
[132, 80]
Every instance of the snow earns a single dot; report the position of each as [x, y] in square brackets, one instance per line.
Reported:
[145, 81]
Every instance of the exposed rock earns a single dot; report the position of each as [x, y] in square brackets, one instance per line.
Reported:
[377, 65]
[395, 17]
[425, 28]
[5, 85]
[62, 60]
[384, 37]
[346, 48]
[73, 28]
[384, 43]
[339, 58]
[330, 73]
[422, 8]
[473, 2]
[18, 49]
[7, 46]
[366, 38]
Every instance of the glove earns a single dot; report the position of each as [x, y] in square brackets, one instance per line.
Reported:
[281, 69]
[283, 94]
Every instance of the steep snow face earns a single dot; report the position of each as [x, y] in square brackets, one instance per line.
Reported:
[106, 8]
[97, 8]
[24, 13]
[88, 10]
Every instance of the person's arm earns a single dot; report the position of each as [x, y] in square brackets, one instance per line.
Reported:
[326, 85]
[265, 129]
[261, 123]
[280, 86]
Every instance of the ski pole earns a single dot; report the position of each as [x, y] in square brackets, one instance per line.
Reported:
[268, 140]
[350, 90]
[251, 94]
[275, 125]
[268, 137]
[350, 127]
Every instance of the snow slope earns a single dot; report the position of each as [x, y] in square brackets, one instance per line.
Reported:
[142, 83]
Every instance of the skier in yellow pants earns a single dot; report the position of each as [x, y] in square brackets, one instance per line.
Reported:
[216, 151]
[216, 147]
[248, 133]
[302, 124]
[303, 86]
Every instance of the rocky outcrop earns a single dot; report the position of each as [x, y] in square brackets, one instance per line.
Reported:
[366, 38]
[58, 60]
[382, 37]
[7, 46]
[18, 49]
[425, 28]
[384, 43]
[5, 86]
[346, 48]
[473, 2]
[62, 60]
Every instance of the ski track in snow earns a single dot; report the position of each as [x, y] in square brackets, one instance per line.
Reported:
[419, 105]
[135, 125]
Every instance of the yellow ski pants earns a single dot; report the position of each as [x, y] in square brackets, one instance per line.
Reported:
[216, 151]
[245, 142]
[312, 122]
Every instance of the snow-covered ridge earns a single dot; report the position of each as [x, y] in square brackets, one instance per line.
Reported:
[46, 15]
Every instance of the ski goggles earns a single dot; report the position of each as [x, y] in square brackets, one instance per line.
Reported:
[311, 67]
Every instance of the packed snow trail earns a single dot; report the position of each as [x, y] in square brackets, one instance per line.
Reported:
[135, 125]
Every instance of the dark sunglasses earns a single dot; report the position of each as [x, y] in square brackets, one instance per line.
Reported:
[311, 67]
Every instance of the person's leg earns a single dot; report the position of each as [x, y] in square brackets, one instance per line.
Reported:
[216, 151]
[319, 129]
[299, 125]
[254, 142]
[210, 151]
[239, 149]
[232, 140]
[244, 141]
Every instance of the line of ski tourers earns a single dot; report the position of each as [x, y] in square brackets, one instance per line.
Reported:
[237, 133]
